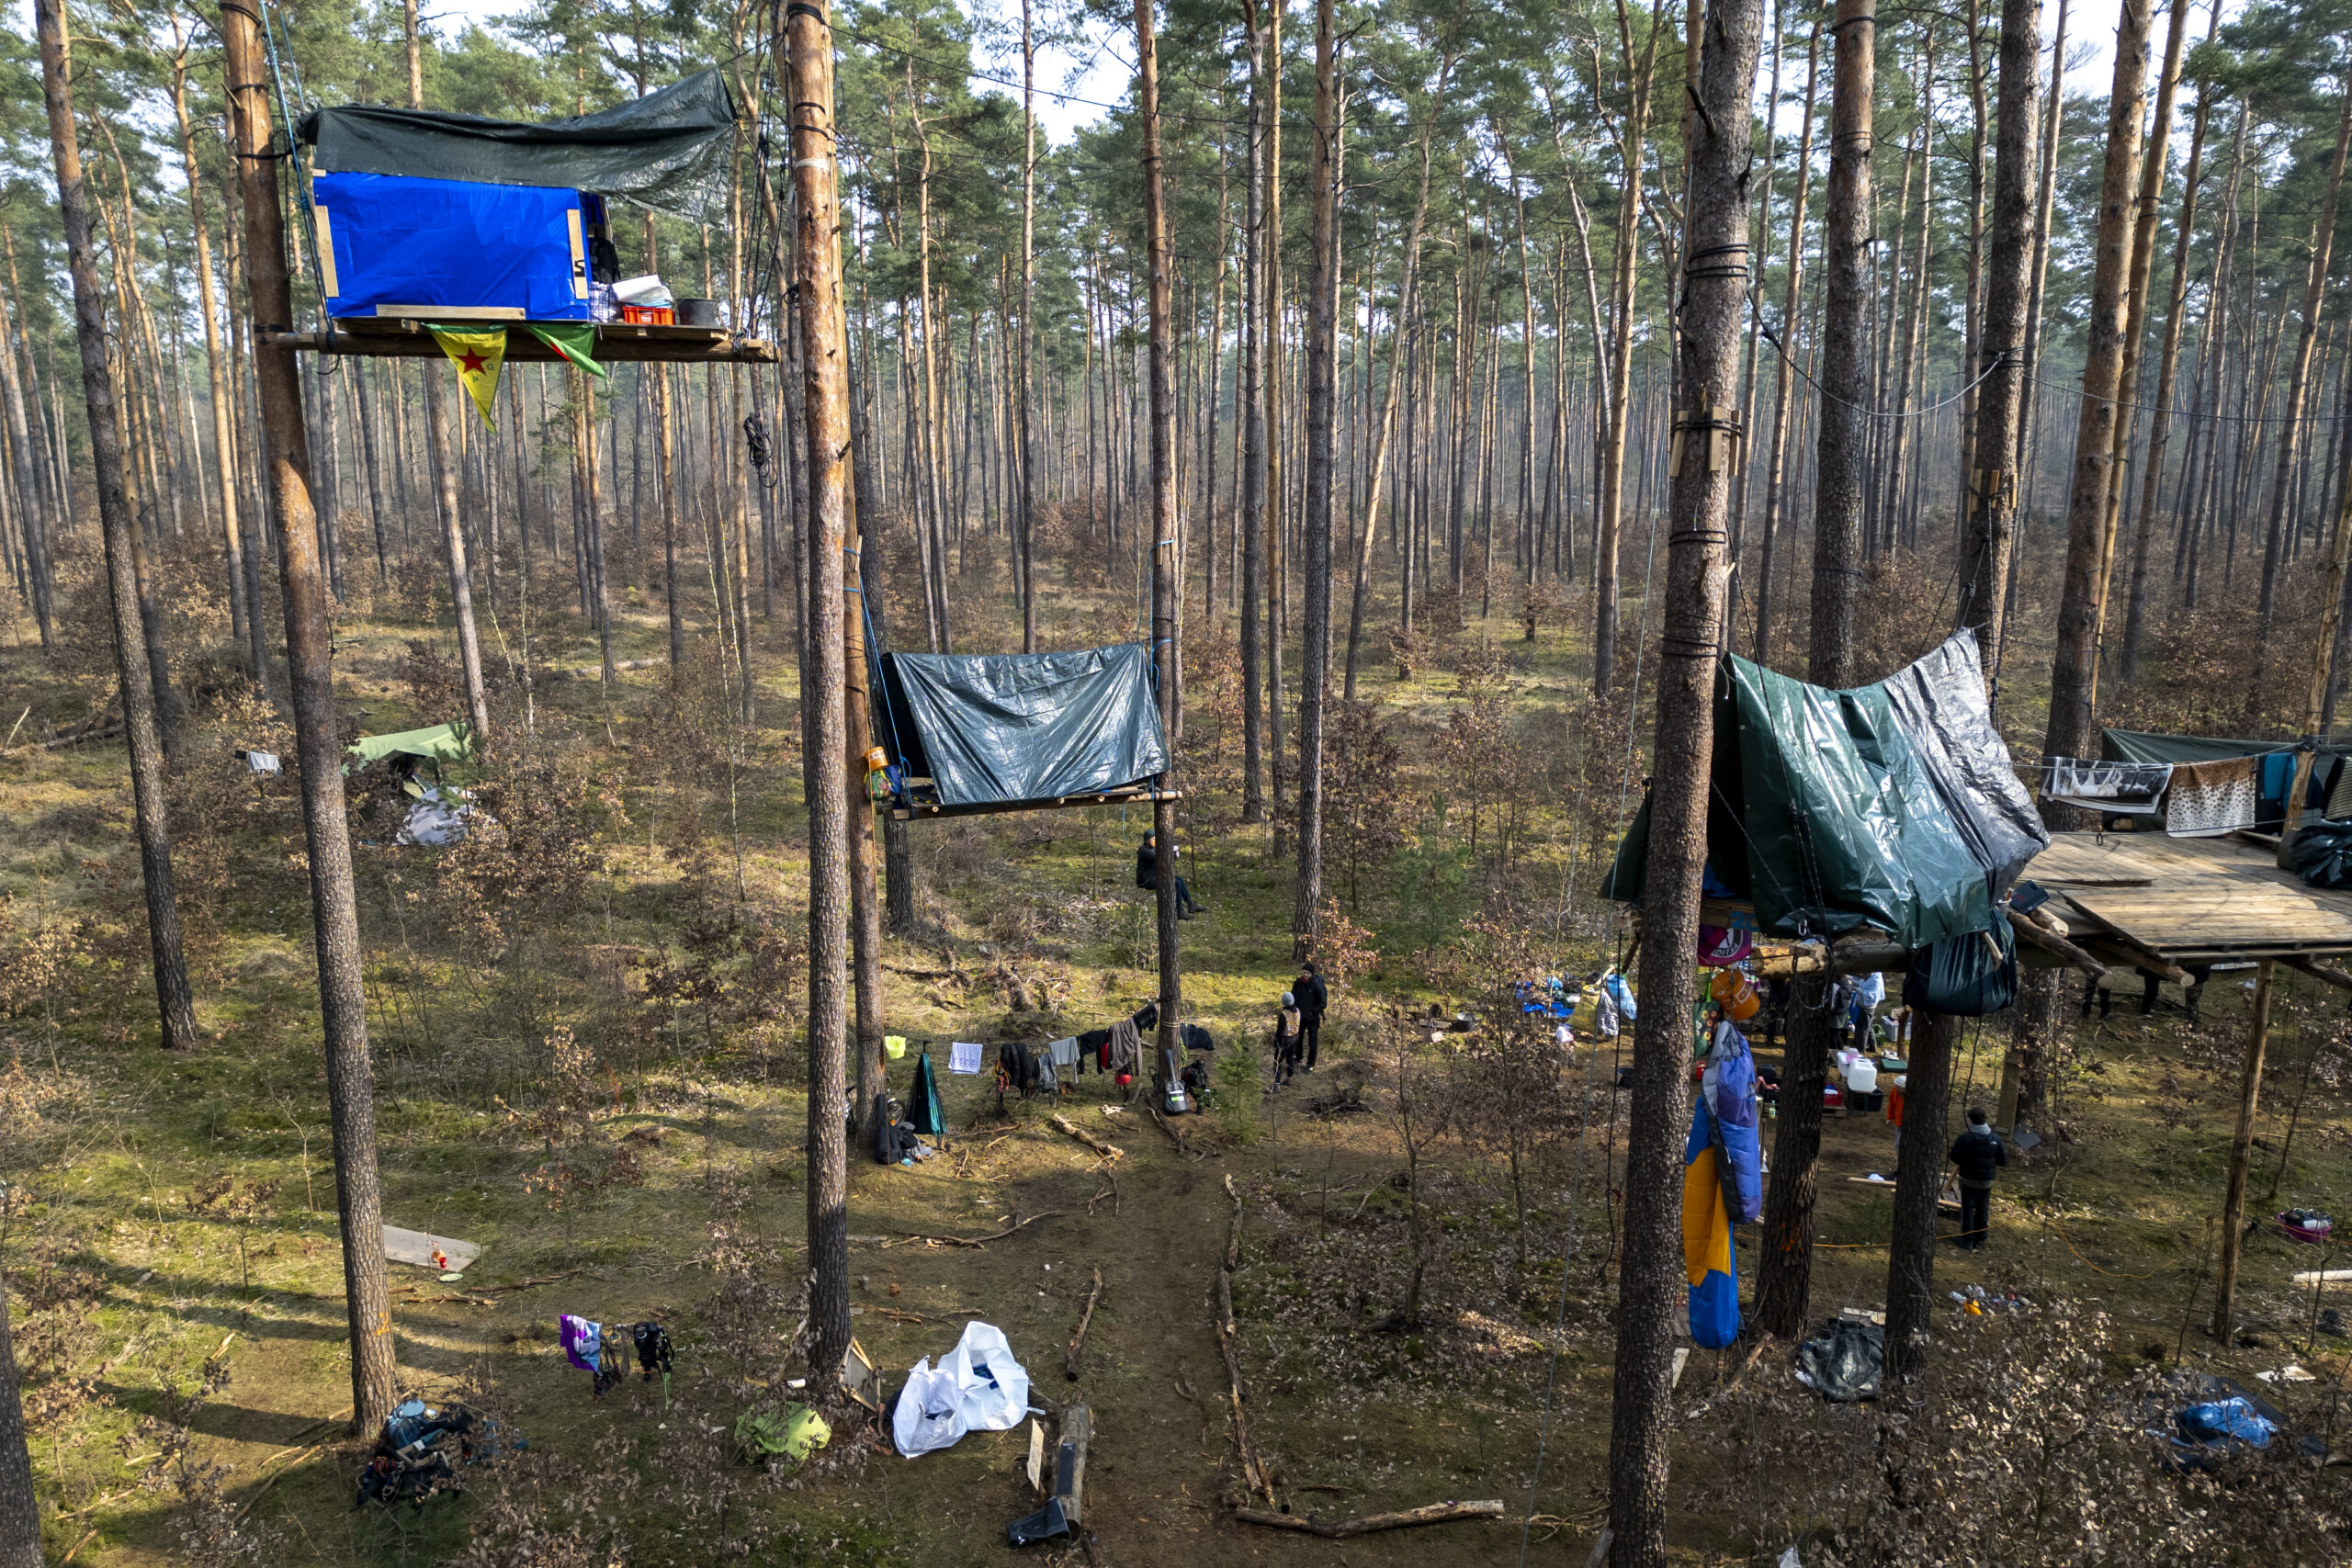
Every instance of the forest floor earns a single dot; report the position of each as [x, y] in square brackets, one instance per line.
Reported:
[130, 1269]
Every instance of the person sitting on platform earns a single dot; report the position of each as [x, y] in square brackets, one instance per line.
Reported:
[1147, 875]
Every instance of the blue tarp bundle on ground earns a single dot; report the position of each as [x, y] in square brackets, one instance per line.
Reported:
[1891, 805]
[992, 729]
[396, 240]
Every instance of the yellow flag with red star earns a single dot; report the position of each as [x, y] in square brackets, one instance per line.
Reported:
[477, 352]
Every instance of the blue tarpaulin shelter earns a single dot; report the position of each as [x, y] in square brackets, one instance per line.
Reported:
[451, 250]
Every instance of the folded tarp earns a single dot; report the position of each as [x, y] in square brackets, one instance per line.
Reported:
[668, 150]
[398, 246]
[1891, 805]
[1001, 728]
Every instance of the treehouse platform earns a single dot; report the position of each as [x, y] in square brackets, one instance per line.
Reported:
[2170, 906]
[396, 337]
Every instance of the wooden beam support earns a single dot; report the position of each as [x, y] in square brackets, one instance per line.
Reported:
[2318, 970]
[2225, 1278]
[2121, 950]
[615, 344]
[2034, 935]
[1850, 955]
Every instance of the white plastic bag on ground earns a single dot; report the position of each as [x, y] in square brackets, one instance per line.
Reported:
[993, 1388]
[929, 1415]
[977, 1387]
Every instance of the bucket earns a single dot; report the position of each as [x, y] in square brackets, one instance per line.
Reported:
[697, 312]
[1732, 993]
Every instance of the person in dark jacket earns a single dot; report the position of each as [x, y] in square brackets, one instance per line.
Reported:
[1978, 1153]
[1147, 877]
[1313, 998]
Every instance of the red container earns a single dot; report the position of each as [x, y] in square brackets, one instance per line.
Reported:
[649, 315]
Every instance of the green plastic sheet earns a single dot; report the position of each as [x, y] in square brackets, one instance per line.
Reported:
[1892, 806]
[450, 742]
[667, 150]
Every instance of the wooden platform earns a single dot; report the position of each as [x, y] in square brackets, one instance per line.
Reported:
[924, 812]
[2188, 901]
[617, 342]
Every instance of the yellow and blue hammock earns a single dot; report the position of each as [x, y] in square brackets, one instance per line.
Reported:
[1721, 1184]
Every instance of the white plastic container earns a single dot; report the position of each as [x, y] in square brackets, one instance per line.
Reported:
[1861, 1075]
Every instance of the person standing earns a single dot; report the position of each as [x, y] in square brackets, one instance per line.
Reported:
[1287, 1028]
[1313, 998]
[1978, 1153]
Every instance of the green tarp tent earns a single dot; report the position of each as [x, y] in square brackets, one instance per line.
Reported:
[450, 742]
[670, 149]
[2146, 746]
[1890, 805]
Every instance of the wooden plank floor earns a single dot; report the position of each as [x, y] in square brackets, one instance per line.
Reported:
[2191, 894]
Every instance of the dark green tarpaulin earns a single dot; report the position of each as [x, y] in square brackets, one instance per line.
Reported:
[2144, 746]
[1891, 805]
[667, 150]
[992, 729]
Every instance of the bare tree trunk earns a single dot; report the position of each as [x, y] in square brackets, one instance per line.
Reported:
[2225, 1275]
[1407, 307]
[26, 461]
[2135, 317]
[351, 1096]
[1992, 486]
[1322, 370]
[1162, 526]
[19, 1509]
[174, 1006]
[808, 43]
[1845, 352]
[2291, 429]
[1713, 293]
[2074, 675]
[1783, 368]
[1619, 412]
[665, 475]
[1253, 393]
[1918, 1170]
[1270, 520]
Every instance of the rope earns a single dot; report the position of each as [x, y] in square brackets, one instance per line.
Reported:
[2053, 1225]
[1773, 338]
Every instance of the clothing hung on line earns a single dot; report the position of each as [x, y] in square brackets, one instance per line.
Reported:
[2114, 789]
[964, 1056]
[2205, 800]
[1065, 1054]
[1124, 1052]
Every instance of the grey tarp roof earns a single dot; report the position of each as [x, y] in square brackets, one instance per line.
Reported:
[668, 150]
[1890, 805]
[996, 729]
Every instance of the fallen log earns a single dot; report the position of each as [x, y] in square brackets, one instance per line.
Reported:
[1252, 1472]
[1062, 1123]
[1343, 1529]
[1086, 1319]
[977, 1241]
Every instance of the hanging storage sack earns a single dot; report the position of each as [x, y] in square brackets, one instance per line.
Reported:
[1968, 976]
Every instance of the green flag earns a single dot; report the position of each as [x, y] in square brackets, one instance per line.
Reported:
[575, 341]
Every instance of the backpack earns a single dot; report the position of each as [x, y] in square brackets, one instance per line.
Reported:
[652, 1348]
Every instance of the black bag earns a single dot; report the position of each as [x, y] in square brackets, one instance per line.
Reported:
[2321, 854]
[1962, 976]
[1842, 1363]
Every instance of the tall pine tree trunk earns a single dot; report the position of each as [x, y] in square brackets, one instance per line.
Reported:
[1322, 371]
[335, 905]
[1783, 365]
[174, 1006]
[807, 42]
[1845, 351]
[2074, 675]
[1161, 525]
[1712, 292]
